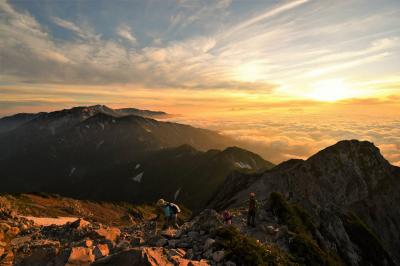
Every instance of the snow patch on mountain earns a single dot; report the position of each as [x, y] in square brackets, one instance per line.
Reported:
[72, 171]
[138, 178]
[177, 193]
[98, 145]
[243, 165]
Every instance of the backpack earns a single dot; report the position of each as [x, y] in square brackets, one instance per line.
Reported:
[227, 215]
[175, 208]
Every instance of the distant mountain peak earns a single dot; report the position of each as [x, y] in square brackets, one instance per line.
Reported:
[74, 115]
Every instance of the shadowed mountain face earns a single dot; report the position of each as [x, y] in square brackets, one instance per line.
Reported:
[348, 177]
[97, 152]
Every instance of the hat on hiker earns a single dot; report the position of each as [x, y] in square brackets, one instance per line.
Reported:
[161, 202]
[252, 194]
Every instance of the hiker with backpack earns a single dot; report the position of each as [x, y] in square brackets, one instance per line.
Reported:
[252, 210]
[170, 211]
[227, 217]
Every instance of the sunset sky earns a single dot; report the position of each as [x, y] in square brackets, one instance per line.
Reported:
[289, 76]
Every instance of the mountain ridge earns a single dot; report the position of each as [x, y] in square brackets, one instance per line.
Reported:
[350, 176]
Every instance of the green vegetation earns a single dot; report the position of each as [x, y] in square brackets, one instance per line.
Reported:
[369, 244]
[246, 251]
[304, 250]
[294, 216]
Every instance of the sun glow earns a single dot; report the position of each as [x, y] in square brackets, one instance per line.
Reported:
[330, 90]
[248, 72]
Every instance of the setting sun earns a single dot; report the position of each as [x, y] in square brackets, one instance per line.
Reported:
[330, 90]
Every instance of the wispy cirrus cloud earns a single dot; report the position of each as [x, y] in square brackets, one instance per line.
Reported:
[126, 32]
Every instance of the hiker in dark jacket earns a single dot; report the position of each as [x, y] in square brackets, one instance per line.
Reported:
[170, 211]
[252, 210]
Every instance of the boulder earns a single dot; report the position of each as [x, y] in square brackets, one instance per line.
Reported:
[79, 224]
[137, 241]
[208, 254]
[207, 221]
[185, 262]
[193, 234]
[138, 257]
[101, 250]
[38, 252]
[218, 256]
[176, 252]
[109, 233]
[208, 244]
[172, 243]
[124, 244]
[189, 254]
[80, 256]
[7, 258]
[88, 243]
[4, 227]
[161, 242]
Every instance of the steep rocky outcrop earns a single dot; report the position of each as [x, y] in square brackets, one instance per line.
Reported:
[346, 179]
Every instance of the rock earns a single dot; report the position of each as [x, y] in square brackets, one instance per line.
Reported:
[109, 233]
[137, 241]
[193, 234]
[4, 227]
[161, 242]
[13, 231]
[124, 244]
[169, 233]
[79, 224]
[177, 252]
[86, 243]
[189, 254]
[198, 263]
[179, 233]
[185, 262]
[1, 251]
[101, 250]
[218, 256]
[7, 258]
[184, 244]
[37, 252]
[208, 254]
[230, 263]
[207, 220]
[23, 227]
[207, 245]
[137, 256]
[80, 256]
[172, 243]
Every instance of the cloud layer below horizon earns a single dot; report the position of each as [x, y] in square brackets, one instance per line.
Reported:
[230, 61]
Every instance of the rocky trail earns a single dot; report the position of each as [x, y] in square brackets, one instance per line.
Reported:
[28, 240]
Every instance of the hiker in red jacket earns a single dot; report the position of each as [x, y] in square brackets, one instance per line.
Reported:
[227, 217]
[253, 206]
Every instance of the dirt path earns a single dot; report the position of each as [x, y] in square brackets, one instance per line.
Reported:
[45, 221]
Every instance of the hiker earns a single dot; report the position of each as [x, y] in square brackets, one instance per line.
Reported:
[171, 211]
[251, 214]
[227, 217]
